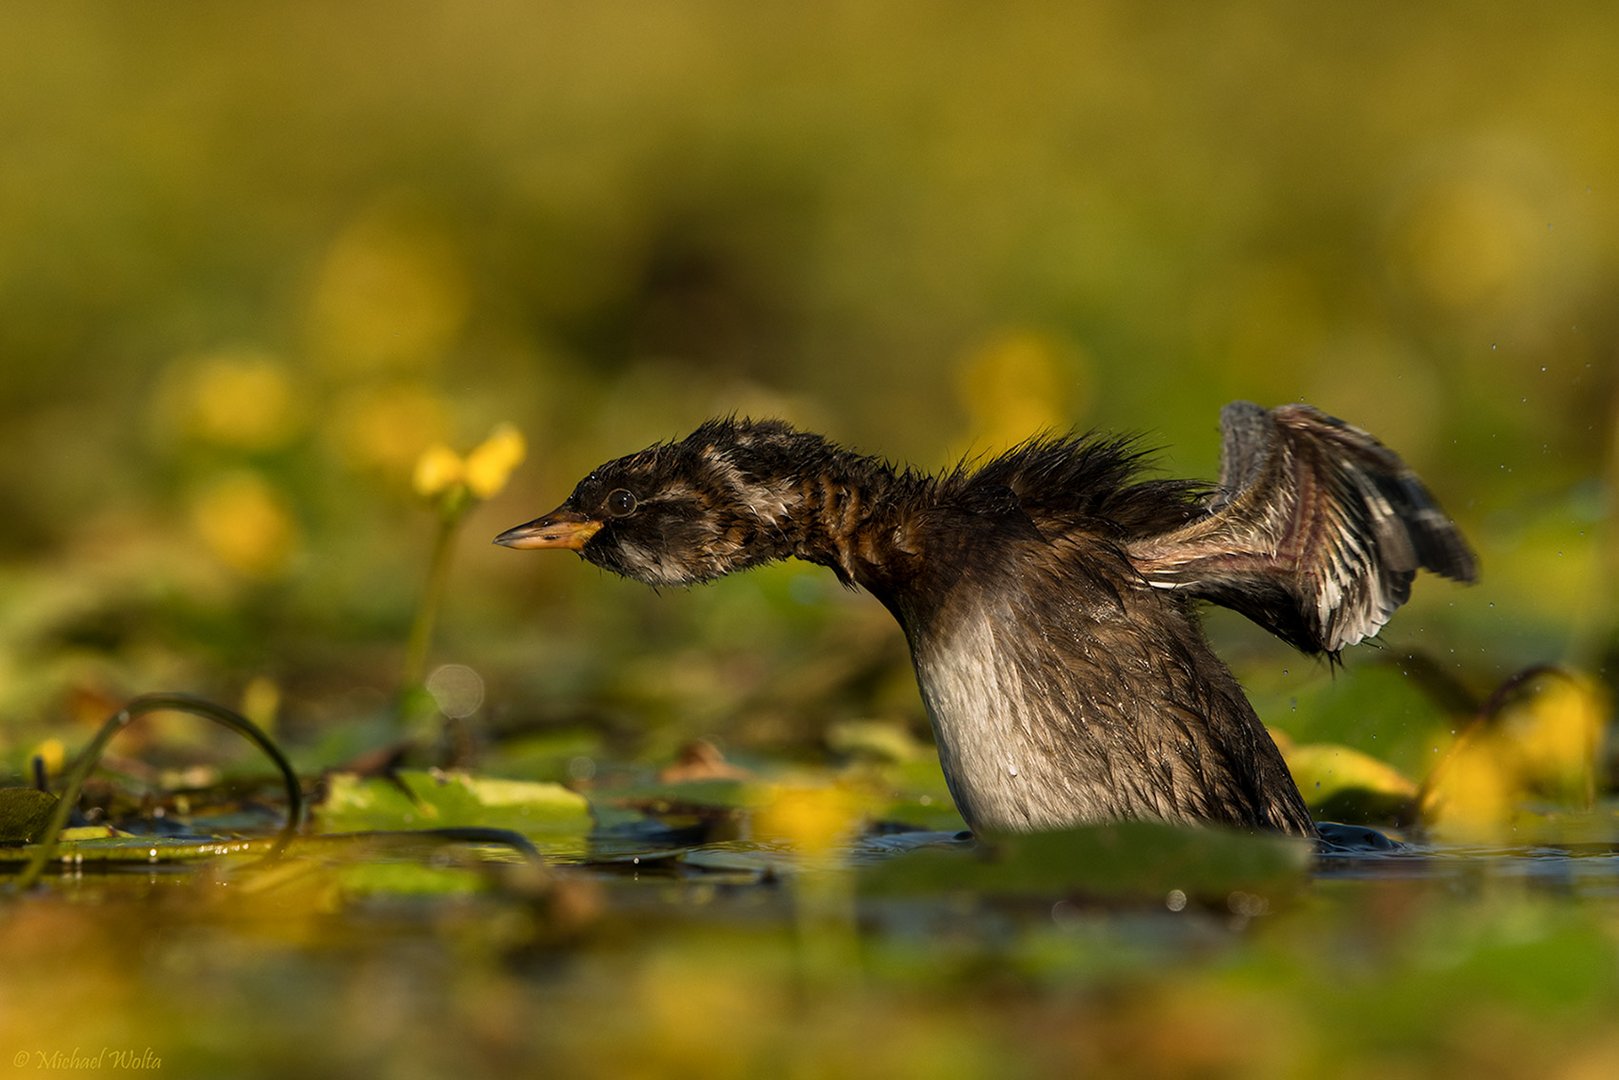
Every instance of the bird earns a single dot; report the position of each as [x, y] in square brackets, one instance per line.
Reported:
[1050, 595]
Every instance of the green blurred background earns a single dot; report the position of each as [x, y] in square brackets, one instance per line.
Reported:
[255, 258]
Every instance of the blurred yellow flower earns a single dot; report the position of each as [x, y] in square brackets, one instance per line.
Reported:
[1467, 241]
[815, 819]
[1019, 383]
[52, 755]
[437, 469]
[261, 701]
[1472, 796]
[490, 465]
[241, 396]
[392, 291]
[484, 471]
[1553, 728]
[245, 524]
[386, 428]
[1541, 740]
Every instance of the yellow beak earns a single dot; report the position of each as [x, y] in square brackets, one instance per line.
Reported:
[561, 528]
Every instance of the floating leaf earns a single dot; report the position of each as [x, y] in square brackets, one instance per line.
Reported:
[23, 814]
[132, 710]
[415, 799]
[1341, 783]
[737, 865]
[408, 879]
[109, 847]
[1130, 860]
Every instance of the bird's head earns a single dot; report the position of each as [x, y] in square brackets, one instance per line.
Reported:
[678, 513]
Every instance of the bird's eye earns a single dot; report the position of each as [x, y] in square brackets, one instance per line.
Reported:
[620, 502]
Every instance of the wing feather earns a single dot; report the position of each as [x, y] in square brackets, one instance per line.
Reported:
[1316, 531]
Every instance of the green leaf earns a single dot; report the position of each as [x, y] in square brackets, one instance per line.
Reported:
[23, 814]
[121, 848]
[549, 756]
[432, 800]
[408, 879]
[918, 796]
[1340, 783]
[1131, 860]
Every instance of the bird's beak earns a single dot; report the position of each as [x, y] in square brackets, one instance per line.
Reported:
[561, 528]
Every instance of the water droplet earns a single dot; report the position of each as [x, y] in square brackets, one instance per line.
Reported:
[151, 856]
[1492, 346]
[1011, 770]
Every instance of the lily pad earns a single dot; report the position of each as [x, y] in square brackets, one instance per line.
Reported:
[1132, 860]
[23, 814]
[431, 799]
[118, 849]
[1341, 783]
[395, 879]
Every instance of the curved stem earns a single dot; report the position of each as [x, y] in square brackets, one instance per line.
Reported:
[87, 760]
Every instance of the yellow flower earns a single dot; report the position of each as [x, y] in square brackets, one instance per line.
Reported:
[1472, 796]
[241, 397]
[245, 524]
[814, 819]
[1540, 741]
[392, 292]
[52, 754]
[437, 469]
[1554, 728]
[261, 701]
[1019, 383]
[387, 427]
[490, 465]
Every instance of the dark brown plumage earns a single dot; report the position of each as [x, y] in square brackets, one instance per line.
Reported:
[1047, 594]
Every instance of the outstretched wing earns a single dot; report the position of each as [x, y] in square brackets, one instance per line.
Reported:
[1315, 533]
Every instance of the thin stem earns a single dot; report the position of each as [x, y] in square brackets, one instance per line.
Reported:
[86, 762]
[438, 578]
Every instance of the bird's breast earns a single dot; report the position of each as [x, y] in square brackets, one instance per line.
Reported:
[1003, 717]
